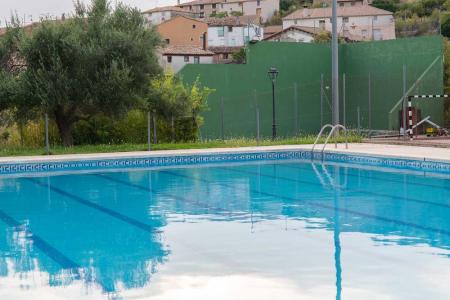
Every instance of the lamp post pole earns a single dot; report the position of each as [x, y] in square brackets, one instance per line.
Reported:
[274, 124]
[273, 73]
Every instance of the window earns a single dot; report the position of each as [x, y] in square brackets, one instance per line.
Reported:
[167, 41]
[322, 24]
[345, 19]
[186, 58]
[196, 59]
[214, 5]
[230, 28]
[241, 3]
[202, 14]
[221, 5]
[341, 4]
[220, 32]
[258, 3]
[295, 22]
[364, 33]
[169, 59]
[190, 7]
[225, 56]
[375, 18]
[202, 6]
[193, 26]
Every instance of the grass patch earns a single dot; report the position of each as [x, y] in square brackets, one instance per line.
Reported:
[231, 143]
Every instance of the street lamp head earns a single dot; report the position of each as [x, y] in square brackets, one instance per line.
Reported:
[273, 73]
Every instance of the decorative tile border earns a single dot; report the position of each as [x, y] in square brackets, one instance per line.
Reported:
[180, 160]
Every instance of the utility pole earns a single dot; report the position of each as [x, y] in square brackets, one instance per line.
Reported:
[334, 65]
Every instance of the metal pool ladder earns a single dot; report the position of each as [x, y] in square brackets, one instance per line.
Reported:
[333, 128]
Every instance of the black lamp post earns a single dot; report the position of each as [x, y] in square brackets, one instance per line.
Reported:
[273, 73]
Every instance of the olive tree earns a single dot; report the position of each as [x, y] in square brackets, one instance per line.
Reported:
[100, 59]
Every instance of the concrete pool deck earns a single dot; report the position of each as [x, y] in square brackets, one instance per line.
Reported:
[383, 150]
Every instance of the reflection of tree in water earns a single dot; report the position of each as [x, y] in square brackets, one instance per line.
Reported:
[111, 253]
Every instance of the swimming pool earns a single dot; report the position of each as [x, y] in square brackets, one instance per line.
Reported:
[233, 229]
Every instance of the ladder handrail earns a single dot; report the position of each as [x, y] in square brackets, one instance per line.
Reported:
[320, 134]
[335, 140]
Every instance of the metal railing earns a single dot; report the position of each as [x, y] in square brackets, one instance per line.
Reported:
[333, 129]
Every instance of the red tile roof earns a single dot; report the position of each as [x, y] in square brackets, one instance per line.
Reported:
[351, 11]
[164, 8]
[310, 30]
[186, 50]
[233, 21]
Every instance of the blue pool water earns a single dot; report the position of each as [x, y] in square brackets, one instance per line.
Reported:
[262, 230]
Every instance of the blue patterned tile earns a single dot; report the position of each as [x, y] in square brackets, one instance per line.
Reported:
[24, 168]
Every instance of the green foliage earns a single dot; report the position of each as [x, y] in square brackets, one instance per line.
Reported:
[323, 37]
[99, 60]
[389, 5]
[445, 24]
[222, 14]
[240, 57]
[104, 148]
[236, 13]
[172, 100]
[276, 19]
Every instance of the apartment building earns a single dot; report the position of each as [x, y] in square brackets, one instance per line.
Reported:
[357, 23]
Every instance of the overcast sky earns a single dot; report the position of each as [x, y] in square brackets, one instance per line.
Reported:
[35, 8]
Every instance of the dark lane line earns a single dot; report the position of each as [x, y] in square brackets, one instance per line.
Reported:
[325, 206]
[176, 197]
[340, 188]
[45, 247]
[97, 207]
[297, 167]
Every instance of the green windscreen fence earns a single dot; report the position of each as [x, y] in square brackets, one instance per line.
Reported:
[373, 76]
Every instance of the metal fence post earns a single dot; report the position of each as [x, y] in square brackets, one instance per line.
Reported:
[321, 100]
[370, 105]
[404, 103]
[47, 142]
[155, 139]
[221, 120]
[296, 108]
[257, 126]
[149, 130]
[344, 121]
[358, 119]
[172, 125]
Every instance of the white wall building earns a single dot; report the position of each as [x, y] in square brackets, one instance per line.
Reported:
[205, 8]
[355, 22]
[176, 57]
[233, 31]
[295, 34]
[158, 15]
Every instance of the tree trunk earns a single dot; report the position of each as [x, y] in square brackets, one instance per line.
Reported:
[65, 125]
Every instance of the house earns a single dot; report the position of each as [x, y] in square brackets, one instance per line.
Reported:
[184, 31]
[176, 57]
[356, 23]
[233, 31]
[206, 8]
[297, 34]
[158, 15]
[269, 30]
[341, 3]
[223, 54]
